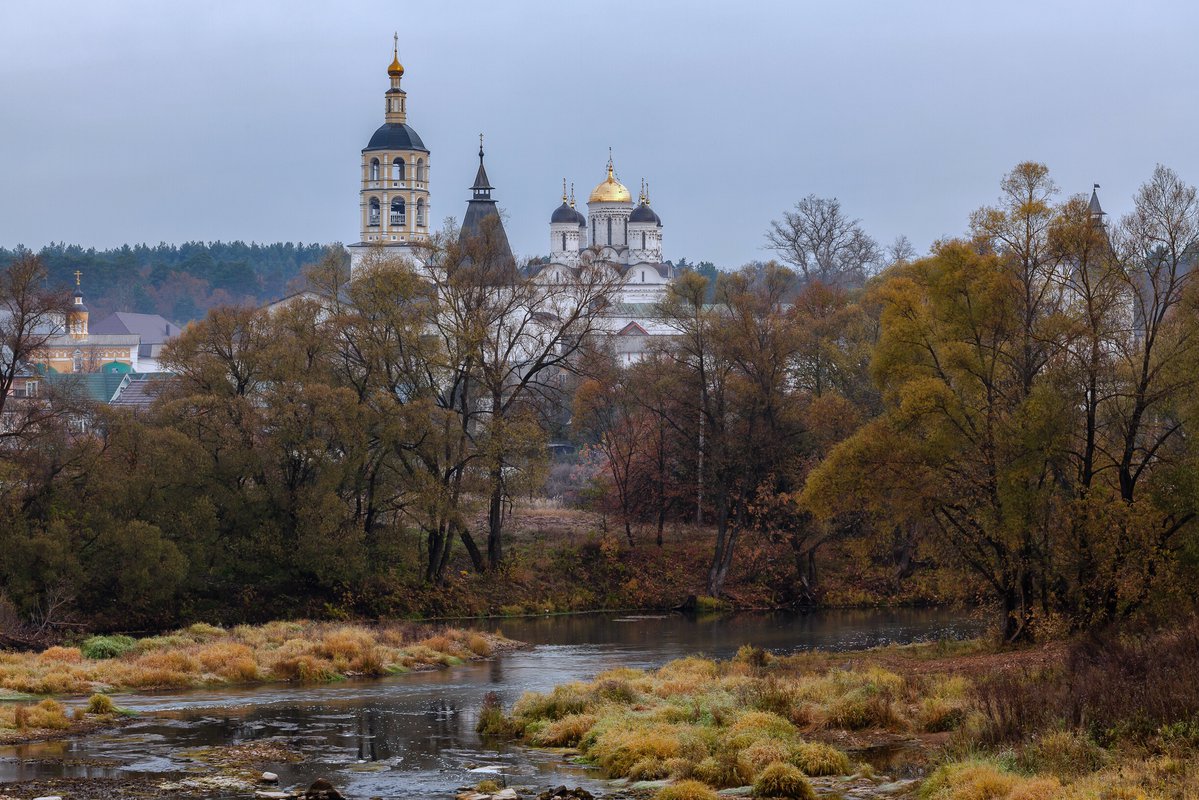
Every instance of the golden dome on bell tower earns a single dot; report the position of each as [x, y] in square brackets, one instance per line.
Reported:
[611, 190]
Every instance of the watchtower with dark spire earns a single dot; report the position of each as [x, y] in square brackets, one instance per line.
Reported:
[478, 224]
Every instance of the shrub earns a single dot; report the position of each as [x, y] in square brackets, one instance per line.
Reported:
[47, 714]
[783, 780]
[98, 647]
[65, 680]
[561, 702]
[724, 771]
[68, 655]
[492, 721]
[1066, 754]
[565, 732]
[753, 726]
[765, 752]
[305, 668]
[201, 631]
[649, 769]
[479, 645]
[100, 704]
[968, 780]
[618, 746]
[818, 758]
[936, 714]
[686, 790]
[679, 767]
[487, 787]
[615, 690]
[863, 708]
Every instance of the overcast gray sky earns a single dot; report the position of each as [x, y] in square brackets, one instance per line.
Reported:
[152, 121]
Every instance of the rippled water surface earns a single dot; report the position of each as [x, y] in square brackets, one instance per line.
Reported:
[413, 735]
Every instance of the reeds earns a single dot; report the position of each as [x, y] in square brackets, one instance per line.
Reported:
[204, 654]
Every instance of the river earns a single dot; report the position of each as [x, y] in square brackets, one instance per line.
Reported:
[413, 735]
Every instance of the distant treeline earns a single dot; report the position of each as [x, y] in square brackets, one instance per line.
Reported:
[180, 282]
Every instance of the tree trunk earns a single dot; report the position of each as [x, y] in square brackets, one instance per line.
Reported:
[722, 557]
[495, 519]
[476, 557]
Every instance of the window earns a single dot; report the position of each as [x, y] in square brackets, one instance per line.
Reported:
[374, 169]
[564, 242]
[643, 276]
[397, 169]
[31, 388]
[609, 230]
[420, 212]
[77, 361]
[421, 175]
[643, 240]
[397, 211]
[372, 215]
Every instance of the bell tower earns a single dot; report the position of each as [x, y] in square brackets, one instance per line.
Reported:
[394, 204]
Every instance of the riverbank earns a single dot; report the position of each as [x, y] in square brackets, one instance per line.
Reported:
[564, 560]
[1084, 720]
[205, 655]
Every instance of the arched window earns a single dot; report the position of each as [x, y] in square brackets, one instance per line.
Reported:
[397, 169]
[372, 215]
[609, 230]
[564, 242]
[374, 169]
[420, 212]
[397, 211]
[420, 169]
[77, 361]
[643, 240]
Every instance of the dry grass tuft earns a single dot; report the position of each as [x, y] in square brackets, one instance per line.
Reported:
[817, 759]
[100, 704]
[686, 790]
[783, 780]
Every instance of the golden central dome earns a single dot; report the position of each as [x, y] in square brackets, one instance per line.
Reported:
[610, 191]
[396, 69]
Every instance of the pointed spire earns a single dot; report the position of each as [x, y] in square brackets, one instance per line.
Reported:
[572, 194]
[482, 187]
[564, 190]
[1093, 206]
[647, 193]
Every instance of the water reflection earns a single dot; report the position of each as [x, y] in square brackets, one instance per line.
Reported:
[413, 735]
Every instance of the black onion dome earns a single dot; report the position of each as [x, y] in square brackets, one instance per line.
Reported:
[580, 219]
[564, 213]
[644, 213]
[395, 136]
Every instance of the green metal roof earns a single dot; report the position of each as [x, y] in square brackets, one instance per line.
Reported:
[97, 386]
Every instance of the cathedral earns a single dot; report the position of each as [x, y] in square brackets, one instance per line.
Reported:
[394, 209]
